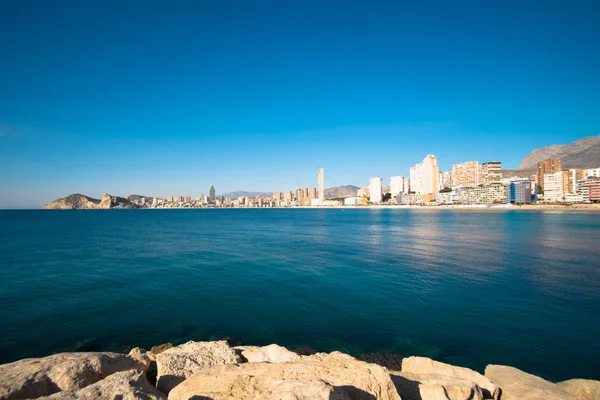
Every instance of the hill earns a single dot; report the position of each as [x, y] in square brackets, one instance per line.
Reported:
[81, 202]
[584, 153]
[341, 191]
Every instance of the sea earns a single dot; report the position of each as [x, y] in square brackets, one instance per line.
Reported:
[470, 288]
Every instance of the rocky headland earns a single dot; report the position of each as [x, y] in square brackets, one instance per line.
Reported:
[81, 202]
[218, 371]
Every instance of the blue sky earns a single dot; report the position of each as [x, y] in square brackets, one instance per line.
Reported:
[166, 98]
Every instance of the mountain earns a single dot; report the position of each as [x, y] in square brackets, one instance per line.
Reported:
[341, 191]
[137, 197]
[79, 201]
[584, 153]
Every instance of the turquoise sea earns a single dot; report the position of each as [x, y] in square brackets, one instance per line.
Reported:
[468, 288]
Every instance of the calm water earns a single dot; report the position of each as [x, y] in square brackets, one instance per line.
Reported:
[468, 288]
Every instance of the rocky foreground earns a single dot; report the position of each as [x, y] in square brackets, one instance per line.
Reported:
[217, 371]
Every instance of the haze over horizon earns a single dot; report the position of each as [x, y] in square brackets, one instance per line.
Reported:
[166, 98]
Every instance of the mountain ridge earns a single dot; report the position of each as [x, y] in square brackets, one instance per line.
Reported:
[583, 153]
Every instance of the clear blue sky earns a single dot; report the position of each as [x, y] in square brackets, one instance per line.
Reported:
[168, 97]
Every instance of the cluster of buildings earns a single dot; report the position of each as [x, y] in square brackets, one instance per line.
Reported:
[468, 183]
[303, 197]
[471, 183]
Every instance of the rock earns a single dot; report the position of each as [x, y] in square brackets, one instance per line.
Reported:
[519, 385]
[434, 387]
[582, 389]
[314, 389]
[176, 364]
[423, 365]
[160, 348]
[333, 356]
[272, 354]
[350, 379]
[305, 351]
[36, 377]
[143, 356]
[125, 385]
[392, 362]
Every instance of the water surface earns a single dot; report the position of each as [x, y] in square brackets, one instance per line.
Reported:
[468, 288]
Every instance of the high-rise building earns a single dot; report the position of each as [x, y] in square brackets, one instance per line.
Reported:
[300, 197]
[519, 191]
[575, 175]
[396, 186]
[465, 174]
[553, 186]
[211, 194]
[430, 175]
[548, 166]
[416, 178]
[445, 180]
[188, 199]
[287, 196]
[375, 190]
[312, 193]
[321, 188]
[277, 196]
[591, 173]
[491, 173]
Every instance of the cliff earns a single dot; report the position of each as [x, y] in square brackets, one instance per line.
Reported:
[219, 371]
[79, 201]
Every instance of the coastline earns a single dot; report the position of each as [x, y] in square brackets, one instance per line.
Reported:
[220, 370]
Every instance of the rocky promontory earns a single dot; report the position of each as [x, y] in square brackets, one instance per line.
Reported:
[81, 202]
[218, 371]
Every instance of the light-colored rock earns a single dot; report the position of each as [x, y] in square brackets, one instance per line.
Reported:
[351, 378]
[582, 389]
[35, 377]
[434, 387]
[125, 385]
[271, 353]
[519, 385]
[142, 355]
[314, 389]
[333, 356]
[176, 364]
[423, 365]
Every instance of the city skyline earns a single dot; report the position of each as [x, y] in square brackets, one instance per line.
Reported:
[158, 98]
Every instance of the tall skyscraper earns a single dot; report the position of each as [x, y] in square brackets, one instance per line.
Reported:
[375, 190]
[549, 166]
[416, 178]
[430, 175]
[321, 188]
[211, 194]
[465, 174]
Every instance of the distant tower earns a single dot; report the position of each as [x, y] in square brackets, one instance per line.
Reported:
[211, 194]
[321, 192]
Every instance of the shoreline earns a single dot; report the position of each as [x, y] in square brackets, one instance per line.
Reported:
[222, 370]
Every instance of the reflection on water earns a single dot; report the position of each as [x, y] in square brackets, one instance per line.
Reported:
[472, 288]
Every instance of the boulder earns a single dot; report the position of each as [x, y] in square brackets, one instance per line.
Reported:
[434, 387]
[333, 356]
[424, 366]
[35, 377]
[519, 385]
[582, 389]
[176, 364]
[312, 389]
[349, 379]
[125, 385]
[160, 348]
[272, 354]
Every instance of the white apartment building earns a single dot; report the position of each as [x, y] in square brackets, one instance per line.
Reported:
[416, 178]
[430, 175]
[375, 190]
[553, 187]
[398, 185]
[591, 172]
